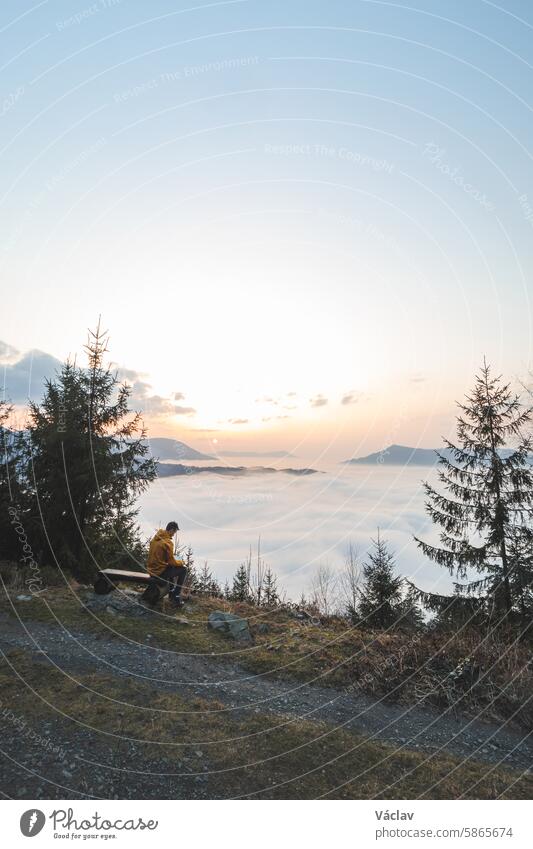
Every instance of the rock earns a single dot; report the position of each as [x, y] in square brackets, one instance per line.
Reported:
[123, 602]
[230, 624]
[263, 628]
[24, 598]
[306, 618]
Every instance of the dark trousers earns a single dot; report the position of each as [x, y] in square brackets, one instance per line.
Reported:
[175, 576]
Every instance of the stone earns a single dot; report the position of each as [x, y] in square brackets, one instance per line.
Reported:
[123, 602]
[229, 623]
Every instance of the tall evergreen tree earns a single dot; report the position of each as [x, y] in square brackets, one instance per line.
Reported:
[10, 495]
[381, 602]
[86, 463]
[486, 514]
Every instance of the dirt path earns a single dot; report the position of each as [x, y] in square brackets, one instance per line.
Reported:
[190, 676]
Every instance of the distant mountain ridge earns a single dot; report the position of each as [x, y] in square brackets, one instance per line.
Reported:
[404, 455]
[166, 470]
[163, 448]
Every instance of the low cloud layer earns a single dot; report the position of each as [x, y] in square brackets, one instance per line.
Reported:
[302, 521]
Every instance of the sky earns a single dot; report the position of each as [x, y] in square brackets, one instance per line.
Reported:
[303, 223]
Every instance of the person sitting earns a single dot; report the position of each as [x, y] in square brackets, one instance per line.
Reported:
[163, 565]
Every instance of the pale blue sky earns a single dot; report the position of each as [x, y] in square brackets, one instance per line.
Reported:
[273, 197]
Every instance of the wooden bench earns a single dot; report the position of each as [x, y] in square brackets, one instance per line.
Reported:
[107, 579]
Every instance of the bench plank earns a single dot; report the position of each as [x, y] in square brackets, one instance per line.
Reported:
[124, 575]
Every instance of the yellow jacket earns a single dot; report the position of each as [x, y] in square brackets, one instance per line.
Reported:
[161, 553]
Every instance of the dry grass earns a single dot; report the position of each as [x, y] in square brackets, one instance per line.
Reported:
[265, 756]
[467, 671]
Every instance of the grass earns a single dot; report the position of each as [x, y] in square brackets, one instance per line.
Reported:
[261, 755]
[497, 680]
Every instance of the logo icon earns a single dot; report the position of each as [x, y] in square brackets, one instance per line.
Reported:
[32, 822]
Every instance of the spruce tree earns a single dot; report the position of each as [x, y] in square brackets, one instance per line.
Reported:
[11, 504]
[240, 590]
[270, 596]
[215, 589]
[86, 463]
[381, 602]
[193, 578]
[485, 514]
[205, 580]
[411, 617]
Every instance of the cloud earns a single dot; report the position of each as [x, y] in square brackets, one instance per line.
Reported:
[238, 421]
[156, 405]
[278, 402]
[22, 376]
[318, 401]
[351, 397]
[417, 378]
[128, 374]
[8, 353]
[25, 377]
[152, 405]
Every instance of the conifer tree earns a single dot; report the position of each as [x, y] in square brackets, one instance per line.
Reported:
[86, 463]
[191, 580]
[192, 573]
[215, 589]
[240, 590]
[205, 580]
[380, 597]
[270, 596]
[11, 502]
[485, 514]
[411, 617]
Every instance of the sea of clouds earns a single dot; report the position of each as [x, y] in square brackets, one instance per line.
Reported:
[302, 521]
